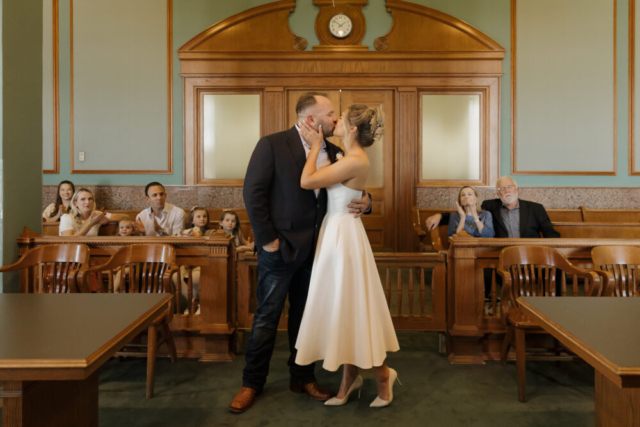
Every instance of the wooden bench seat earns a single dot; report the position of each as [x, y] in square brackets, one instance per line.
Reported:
[111, 229]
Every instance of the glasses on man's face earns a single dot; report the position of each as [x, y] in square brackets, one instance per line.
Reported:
[505, 188]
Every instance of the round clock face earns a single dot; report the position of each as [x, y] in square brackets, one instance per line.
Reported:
[340, 26]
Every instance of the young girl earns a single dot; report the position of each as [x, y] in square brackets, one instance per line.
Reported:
[230, 224]
[62, 205]
[199, 220]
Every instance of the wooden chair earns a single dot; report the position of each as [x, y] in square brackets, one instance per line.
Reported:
[531, 271]
[145, 269]
[618, 267]
[52, 269]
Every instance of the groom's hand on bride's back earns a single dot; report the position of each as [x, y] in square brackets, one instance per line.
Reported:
[360, 206]
[272, 247]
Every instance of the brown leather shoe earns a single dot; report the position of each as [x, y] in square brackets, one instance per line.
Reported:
[243, 400]
[314, 390]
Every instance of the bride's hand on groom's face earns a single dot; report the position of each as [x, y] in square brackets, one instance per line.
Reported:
[310, 135]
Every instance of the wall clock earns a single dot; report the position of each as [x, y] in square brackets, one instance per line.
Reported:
[340, 25]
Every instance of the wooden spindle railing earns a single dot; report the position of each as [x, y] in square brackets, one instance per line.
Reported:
[431, 295]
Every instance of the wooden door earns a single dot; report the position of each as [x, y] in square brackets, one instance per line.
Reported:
[380, 224]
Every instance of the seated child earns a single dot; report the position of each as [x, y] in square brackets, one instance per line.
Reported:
[230, 224]
[199, 220]
[125, 228]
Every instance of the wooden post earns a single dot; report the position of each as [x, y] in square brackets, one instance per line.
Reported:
[464, 320]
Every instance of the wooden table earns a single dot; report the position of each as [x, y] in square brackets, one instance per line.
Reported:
[52, 345]
[605, 332]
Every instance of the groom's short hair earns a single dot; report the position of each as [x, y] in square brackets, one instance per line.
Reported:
[307, 100]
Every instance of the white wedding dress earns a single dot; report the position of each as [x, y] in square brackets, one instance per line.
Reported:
[346, 318]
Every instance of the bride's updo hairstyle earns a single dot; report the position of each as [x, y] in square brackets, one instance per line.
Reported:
[369, 121]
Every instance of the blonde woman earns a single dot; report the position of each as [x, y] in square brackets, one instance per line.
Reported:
[84, 220]
[470, 216]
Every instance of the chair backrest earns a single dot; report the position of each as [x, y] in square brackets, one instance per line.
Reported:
[543, 271]
[52, 268]
[622, 263]
[138, 269]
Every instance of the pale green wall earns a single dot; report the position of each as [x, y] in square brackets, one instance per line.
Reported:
[490, 16]
[558, 77]
[21, 125]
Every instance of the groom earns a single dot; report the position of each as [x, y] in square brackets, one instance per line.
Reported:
[286, 220]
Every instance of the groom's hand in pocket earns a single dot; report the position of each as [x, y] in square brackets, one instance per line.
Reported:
[273, 246]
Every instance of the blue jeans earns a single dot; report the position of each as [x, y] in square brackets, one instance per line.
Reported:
[276, 279]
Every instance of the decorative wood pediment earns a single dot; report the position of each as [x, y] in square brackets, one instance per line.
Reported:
[417, 31]
[262, 28]
[421, 29]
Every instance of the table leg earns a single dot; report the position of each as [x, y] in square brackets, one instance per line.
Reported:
[50, 403]
[616, 406]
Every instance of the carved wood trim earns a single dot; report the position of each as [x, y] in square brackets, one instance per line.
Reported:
[514, 170]
[169, 169]
[409, 17]
[56, 89]
[253, 24]
[406, 166]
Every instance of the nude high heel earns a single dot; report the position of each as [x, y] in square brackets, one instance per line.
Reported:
[356, 385]
[380, 403]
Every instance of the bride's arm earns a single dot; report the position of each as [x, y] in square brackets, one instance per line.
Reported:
[341, 171]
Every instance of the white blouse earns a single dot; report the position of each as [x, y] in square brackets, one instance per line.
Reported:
[67, 223]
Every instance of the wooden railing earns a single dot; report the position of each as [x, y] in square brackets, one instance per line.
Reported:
[474, 335]
[209, 335]
[414, 285]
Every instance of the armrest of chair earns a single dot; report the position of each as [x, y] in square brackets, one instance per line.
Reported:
[84, 273]
[609, 283]
[507, 299]
[417, 227]
[436, 242]
[25, 261]
[594, 277]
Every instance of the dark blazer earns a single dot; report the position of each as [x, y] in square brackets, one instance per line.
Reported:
[276, 204]
[534, 220]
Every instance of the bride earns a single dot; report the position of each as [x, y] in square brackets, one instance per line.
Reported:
[346, 320]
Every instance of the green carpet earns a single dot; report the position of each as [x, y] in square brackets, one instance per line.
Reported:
[433, 393]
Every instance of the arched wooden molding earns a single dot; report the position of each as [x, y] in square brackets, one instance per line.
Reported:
[421, 29]
[257, 29]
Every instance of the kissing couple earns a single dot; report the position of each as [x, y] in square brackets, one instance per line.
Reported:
[304, 206]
